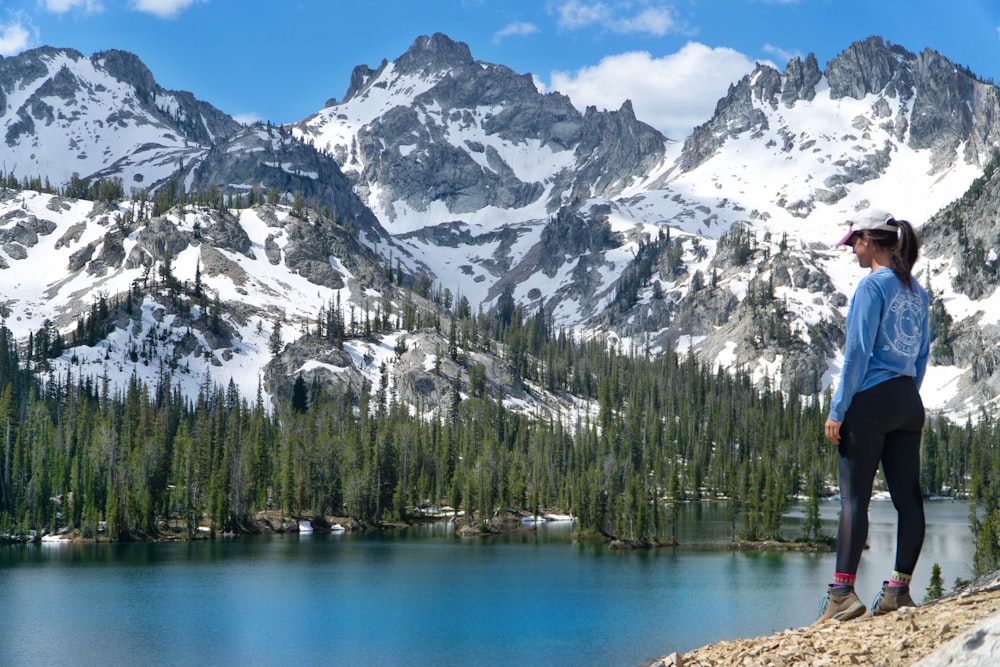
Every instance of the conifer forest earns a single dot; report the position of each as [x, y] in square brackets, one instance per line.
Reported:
[146, 461]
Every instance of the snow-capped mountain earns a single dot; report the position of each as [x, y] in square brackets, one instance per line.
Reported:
[723, 245]
[64, 115]
[103, 116]
[466, 162]
[464, 174]
[763, 187]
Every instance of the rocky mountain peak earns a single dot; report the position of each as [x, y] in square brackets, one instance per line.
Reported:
[27, 67]
[126, 66]
[361, 76]
[425, 57]
[868, 67]
[66, 99]
[434, 53]
[921, 102]
[442, 113]
[736, 113]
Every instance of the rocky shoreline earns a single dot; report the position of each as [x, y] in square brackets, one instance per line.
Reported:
[962, 628]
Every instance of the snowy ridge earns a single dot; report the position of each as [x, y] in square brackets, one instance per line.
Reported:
[158, 343]
[462, 170]
[70, 115]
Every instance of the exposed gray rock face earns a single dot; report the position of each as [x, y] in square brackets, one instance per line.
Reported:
[613, 149]
[946, 100]
[569, 238]
[423, 375]
[270, 157]
[800, 79]
[199, 121]
[441, 172]
[869, 67]
[214, 263]
[161, 238]
[435, 387]
[112, 254]
[735, 114]
[952, 108]
[224, 231]
[81, 257]
[15, 250]
[26, 229]
[284, 368]
[313, 240]
[977, 646]
[963, 235]
[272, 251]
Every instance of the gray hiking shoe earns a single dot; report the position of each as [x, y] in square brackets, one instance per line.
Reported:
[891, 598]
[840, 606]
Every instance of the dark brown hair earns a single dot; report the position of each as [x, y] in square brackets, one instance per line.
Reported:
[904, 247]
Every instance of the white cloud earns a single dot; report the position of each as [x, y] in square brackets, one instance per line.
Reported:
[248, 118]
[574, 15]
[655, 21]
[620, 16]
[14, 38]
[162, 8]
[518, 29]
[674, 93]
[781, 54]
[63, 6]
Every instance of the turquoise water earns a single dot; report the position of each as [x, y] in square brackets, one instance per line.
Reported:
[424, 597]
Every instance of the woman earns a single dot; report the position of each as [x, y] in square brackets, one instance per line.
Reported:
[877, 415]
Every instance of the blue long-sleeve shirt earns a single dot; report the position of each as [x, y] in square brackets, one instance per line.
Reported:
[887, 336]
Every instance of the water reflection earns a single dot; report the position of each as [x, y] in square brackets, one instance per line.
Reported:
[422, 595]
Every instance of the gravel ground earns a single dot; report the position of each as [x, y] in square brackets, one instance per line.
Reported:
[962, 620]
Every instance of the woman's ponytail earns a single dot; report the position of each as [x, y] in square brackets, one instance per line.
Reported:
[903, 247]
[904, 255]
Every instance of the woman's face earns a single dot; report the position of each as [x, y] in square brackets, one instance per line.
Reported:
[863, 249]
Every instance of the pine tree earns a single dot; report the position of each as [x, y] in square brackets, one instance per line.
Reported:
[300, 396]
[275, 343]
[935, 588]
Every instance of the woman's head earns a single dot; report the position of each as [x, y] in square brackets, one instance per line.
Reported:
[886, 233]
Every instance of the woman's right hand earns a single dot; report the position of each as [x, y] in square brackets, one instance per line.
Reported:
[832, 430]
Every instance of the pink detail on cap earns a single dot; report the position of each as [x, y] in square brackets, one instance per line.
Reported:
[847, 236]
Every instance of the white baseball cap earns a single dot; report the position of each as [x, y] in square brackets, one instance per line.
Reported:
[869, 220]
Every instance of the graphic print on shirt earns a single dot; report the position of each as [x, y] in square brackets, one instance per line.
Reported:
[905, 319]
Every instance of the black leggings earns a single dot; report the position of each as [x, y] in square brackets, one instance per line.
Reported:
[882, 424]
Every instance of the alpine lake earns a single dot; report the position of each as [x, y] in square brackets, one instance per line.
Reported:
[424, 596]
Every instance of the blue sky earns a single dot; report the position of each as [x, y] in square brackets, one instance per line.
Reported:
[282, 60]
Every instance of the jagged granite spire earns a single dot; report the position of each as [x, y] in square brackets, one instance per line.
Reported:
[437, 52]
[868, 67]
[800, 79]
